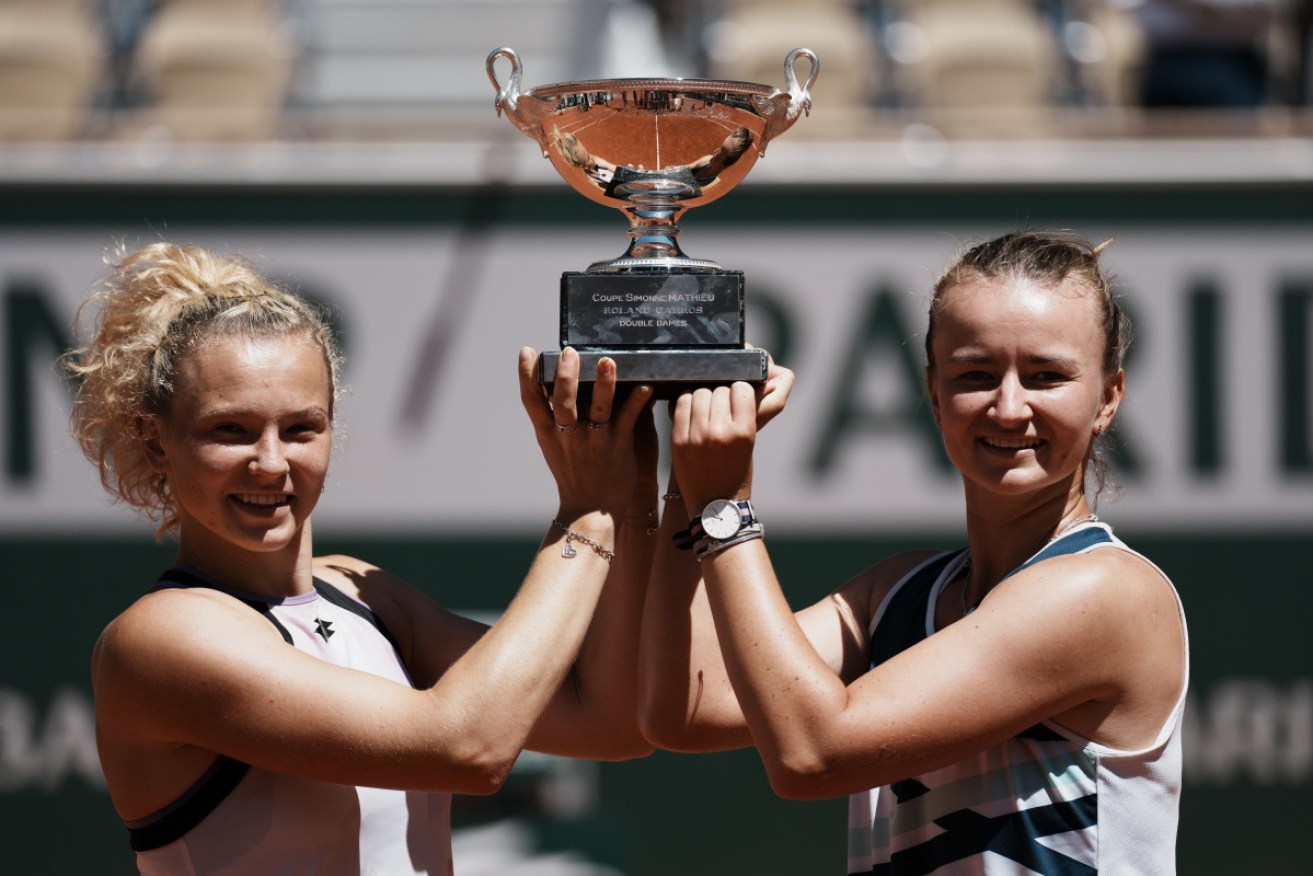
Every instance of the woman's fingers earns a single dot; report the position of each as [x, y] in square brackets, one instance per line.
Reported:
[532, 395]
[742, 409]
[587, 430]
[722, 414]
[565, 389]
[633, 407]
[775, 394]
[712, 439]
[603, 395]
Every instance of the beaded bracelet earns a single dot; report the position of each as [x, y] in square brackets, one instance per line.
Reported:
[570, 535]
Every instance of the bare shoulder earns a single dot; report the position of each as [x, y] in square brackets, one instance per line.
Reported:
[170, 660]
[175, 617]
[1131, 590]
[1111, 619]
[178, 620]
[1121, 586]
[170, 641]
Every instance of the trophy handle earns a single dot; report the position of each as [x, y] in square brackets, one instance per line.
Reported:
[508, 95]
[781, 109]
[801, 96]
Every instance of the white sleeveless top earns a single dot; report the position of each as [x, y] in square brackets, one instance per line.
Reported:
[1046, 801]
[238, 820]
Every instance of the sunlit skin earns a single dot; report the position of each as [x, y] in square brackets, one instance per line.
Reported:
[1019, 392]
[186, 674]
[1018, 387]
[245, 446]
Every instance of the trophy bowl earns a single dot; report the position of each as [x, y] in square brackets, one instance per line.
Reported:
[653, 147]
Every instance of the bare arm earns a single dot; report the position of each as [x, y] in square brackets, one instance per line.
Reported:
[183, 675]
[594, 714]
[686, 700]
[1034, 651]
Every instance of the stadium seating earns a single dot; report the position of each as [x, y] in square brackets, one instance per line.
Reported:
[51, 54]
[386, 58]
[216, 69]
[751, 40]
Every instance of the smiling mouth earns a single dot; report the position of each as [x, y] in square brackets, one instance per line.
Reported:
[263, 500]
[1012, 443]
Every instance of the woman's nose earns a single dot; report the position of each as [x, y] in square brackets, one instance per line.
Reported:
[270, 455]
[1011, 402]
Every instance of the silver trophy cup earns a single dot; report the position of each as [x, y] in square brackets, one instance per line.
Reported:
[653, 148]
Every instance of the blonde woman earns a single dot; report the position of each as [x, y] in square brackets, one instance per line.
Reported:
[262, 710]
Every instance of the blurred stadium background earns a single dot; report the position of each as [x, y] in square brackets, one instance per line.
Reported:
[351, 147]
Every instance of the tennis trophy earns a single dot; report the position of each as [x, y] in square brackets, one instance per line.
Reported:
[654, 148]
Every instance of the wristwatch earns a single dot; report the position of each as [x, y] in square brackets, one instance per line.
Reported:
[723, 519]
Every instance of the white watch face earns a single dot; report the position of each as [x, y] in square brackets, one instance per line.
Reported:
[721, 519]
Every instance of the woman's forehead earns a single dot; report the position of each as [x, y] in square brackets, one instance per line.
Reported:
[1018, 295]
[1008, 311]
[239, 362]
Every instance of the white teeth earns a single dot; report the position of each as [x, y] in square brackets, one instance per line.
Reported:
[1012, 443]
[261, 499]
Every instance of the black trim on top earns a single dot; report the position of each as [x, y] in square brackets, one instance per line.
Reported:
[341, 600]
[223, 776]
[184, 578]
[1072, 543]
[903, 622]
[201, 799]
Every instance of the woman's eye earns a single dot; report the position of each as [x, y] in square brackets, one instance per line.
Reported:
[307, 429]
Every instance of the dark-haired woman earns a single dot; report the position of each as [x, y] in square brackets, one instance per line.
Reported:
[1010, 707]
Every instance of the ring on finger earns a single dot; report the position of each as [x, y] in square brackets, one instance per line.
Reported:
[569, 428]
[601, 425]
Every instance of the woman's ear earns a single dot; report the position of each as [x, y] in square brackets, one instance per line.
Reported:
[1114, 388]
[934, 397]
[148, 433]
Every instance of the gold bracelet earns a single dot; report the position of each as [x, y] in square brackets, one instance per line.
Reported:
[570, 535]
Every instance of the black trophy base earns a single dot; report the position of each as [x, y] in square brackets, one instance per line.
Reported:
[669, 372]
[652, 310]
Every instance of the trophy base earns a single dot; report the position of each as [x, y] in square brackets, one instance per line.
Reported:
[668, 372]
[652, 309]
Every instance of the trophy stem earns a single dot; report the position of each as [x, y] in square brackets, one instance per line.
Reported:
[654, 210]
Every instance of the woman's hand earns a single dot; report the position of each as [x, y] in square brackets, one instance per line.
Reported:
[774, 393]
[591, 453]
[712, 439]
[712, 435]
